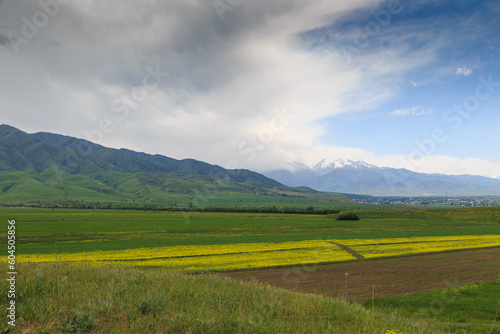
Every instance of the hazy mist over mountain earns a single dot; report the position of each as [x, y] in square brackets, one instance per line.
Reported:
[347, 176]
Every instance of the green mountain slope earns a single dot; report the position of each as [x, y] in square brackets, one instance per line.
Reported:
[37, 152]
[44, 167]
[131, 162]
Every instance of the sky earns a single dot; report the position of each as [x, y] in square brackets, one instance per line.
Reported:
[259, 84]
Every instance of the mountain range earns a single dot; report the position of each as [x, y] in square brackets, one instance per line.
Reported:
[51, 167]
[357, 177]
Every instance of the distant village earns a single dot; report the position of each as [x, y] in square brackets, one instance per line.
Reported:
[472, 201]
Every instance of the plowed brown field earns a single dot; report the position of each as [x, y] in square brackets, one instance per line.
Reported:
[383, 277]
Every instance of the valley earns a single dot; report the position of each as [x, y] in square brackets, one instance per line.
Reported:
[396, 252]
[80, 207]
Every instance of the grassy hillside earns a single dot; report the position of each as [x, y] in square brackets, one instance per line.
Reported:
[62, 298]
[163, 189]
[20, 151]
[25, 187]
[51, 168]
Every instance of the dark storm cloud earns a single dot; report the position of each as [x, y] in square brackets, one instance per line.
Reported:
[4, 40]
[223, 74]
[4, 37]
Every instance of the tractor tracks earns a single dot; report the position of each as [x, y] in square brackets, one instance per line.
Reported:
[349, 250]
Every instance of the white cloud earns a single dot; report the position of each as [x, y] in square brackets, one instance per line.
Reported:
[429, 164]
[465, 71]
[441, 164]
[400, 112]
[237, 71]
[226, 79]
[415, 111]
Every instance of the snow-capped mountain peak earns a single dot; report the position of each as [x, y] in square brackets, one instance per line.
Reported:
[327, 165]
[357, 177]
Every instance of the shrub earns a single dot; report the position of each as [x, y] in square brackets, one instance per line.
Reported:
[347, 216]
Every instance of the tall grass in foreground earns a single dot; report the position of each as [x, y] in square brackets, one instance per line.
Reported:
[76, 298]
[465, 308]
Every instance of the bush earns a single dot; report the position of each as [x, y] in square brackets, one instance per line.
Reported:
[347, 216]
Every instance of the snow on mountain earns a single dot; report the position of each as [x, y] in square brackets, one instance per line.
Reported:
[357, 177]
[324, 166]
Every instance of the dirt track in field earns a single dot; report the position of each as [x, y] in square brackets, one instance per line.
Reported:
[394, 276]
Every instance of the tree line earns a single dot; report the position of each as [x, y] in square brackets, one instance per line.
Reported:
[152, 207]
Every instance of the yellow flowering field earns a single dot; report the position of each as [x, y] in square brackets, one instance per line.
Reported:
[249, 260]
[373, 248]
[213, 257]
[261, 255]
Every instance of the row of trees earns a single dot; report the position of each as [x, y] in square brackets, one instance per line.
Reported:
[153, 207]
[309, 210]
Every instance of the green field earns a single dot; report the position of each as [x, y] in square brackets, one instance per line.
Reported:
[69, 298]
[40, 230]
[469, 306]
[43, 232]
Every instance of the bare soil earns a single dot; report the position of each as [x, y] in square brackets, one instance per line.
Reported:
[383, 277]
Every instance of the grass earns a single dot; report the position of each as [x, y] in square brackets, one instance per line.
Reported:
[165, 190]
[209, 257]
[385, 276]
[396, 278]
[469, 308]
[107, 230]
[377, 248]
[62, 297]
[71, 298]
[219, 257]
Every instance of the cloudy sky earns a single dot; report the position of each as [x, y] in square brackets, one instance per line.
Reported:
[255, 84]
